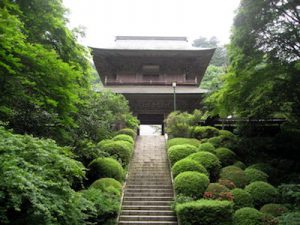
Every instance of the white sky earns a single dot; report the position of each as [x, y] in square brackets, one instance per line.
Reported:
[105, 19]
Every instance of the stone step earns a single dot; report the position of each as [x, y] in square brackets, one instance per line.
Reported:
[148, 198]
[145, 174]
[148, 212]
[141, 186]
[148, 180]
[147, 218]
[146, 207]
[146, 203]
[148, 194]
[160, 190]
[148, 223]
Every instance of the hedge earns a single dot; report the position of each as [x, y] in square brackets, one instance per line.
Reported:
[105, 167]
[226, 156]
[182, 141]
[205, 212]
[207, 147]
[178, 152]
[247, 216]
[188, 165]
[123, 137]
[192, 184]
[262, 193]
[255, 175]
[209, 161]
[128, 131]
[201, 132]
[106, 183]
[241, 198]
[235, 174]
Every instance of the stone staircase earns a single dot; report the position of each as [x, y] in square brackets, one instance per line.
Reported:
[148, 191]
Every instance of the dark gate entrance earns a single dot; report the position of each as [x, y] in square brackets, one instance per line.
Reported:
[150, 119]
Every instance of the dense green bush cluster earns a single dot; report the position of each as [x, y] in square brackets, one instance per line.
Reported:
[201, 132]
[205, 212]
[217, 191]
[182, 141]
[241, 198]
[226, 156]
[127, 131]
[209, 161]
[262, 193]
[255, 175]
[207, 147]
[274, 209]
[105, 167]
[107, 183]
[188, 165]
[247, 216]
[192, 184]
[178, 152]
[235, 174]
[240, 165]
[123, 137]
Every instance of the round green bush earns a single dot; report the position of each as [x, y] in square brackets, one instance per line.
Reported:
[291, 218]
[201, 132]
[255, 175]
[128, 131]
[215, 141]
[188, 165]
[207, 147]
[182, 141]
[227, 183]
[247, 216]
[192, 184]
[226, 133]
[178, 152]
[123, 137]
[216, 188]
[265, 167]
[274, 209]
[235, 174]
[241, 198]
[209, 161]
[223, 141]
[105, 183]
[240, 165]
[105, 167]
[217, 191]
[121, 150]
[226, 156]
[262, 193]
[205, 212]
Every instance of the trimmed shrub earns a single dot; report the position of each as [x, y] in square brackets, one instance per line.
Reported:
[216, 188]
[290, 194]
[182, 141]
[227, 183]
[105, 167]
[241, 198]
[226, 156]
[215, 141]
[235, 174]
[105, 183]
[292, 218]
[247, 216]
[209, 161]
[265, 167]
[255, 175]
[121, 150]
[207, 147]
[123, 137]
[223, 141]
[217, 191]
[128, 131]
[205, 212]
[240, 165]
[178, 124]
[262, 193]
[188, 165]
[106, 206]
[192, 184]
[200, 132]
[178, 152]
[226, 133]
[274, 209]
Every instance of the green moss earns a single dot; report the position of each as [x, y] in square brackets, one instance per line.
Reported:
[105, 167]
[192, 184]
[205, 212]
[247, 216]
[123, 137]
[255, 175]
[201, 132]
[274, 209]
[127, 131]
[241, 198]
[262, 193]
[178, 152]
[209, 161]
[182, 141]
[188, 165]
[226, 156]
[105, 183]
[235, 174]
[207, 147]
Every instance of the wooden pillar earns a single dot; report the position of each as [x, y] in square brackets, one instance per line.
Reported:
[162, 129]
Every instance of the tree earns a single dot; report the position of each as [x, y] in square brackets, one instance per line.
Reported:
[263, 78]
